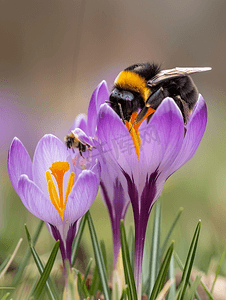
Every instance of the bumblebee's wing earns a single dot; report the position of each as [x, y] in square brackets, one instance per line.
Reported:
[172, 73]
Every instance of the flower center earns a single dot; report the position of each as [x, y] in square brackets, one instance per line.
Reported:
[58, 169]
[134, 132]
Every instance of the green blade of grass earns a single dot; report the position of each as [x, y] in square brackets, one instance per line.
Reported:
[189, 263]
[11, 258]
[191, 293]
[131, 243]
[50, 287]
[82, 288]
[72, 286]
[4, 263]
[104, 253]
[207, 291]
[218, 271]
[172, 290]
[181, 266]
[95, 284]
[87, 271]
[124, 295]
[77, 239]
[163, 248]
[5, 296]
[159, 283]
[98, 257]
[27, 255]
[129, 278]
[42, 281]
[155, 248]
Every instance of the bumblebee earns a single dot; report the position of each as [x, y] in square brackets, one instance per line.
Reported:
[72, 141]
[142, 87]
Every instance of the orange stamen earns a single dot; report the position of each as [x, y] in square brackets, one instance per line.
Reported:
[58, 170]
[133, 129]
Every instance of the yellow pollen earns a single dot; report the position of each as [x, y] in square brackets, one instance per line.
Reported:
[133, 128]
[58, 169]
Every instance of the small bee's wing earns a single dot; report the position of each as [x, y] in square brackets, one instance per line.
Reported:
[176, 72]
[82, 137]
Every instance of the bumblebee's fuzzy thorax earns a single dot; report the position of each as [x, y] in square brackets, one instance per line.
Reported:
[128, 80]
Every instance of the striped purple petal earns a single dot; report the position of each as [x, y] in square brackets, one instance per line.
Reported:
[115, 139]
[194, 132]
[19, 162]
[35, 201]
[99, 96]
[80, 122]
[49, 150]
[82, 196]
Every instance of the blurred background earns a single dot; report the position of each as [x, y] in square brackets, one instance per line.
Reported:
[54, 53]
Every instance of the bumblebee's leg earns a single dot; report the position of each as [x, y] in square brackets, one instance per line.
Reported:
[121, 112]
[153, 101]
[80, 149]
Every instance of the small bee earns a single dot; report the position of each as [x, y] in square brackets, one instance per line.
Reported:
[143, 86]
[72, 141]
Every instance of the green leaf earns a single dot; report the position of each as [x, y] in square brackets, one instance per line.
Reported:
[98, 257]
[50, 288]
[5, 296]
[27, 255]
[125, 293]
[104, 253]
[159, 283]
[172, 290]
[4, 263]
[181, 266]
[191, 292]
[95, 284]
[87, 271]
[72, 287]
[82, 289]
[163, 248]
[155, 248]
[189, 262]
[131, 244]
[42, 281]
[129, 278]
[77, 239]
[218, 270]
[207, 291]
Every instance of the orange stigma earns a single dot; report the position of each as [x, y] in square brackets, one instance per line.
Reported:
[58, 169]
[133, 129]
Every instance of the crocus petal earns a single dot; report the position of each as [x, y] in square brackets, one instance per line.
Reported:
[195, 130]
[19, 162]
[96, 169]
[82, 196]
[80, 122]
[49, 149]
[99, 96]
[115, 139]
[165, 137]
[35, 201]
[115, 197]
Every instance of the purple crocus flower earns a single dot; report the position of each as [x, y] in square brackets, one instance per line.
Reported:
[51, 188]
[113, 183]
[148, 155]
